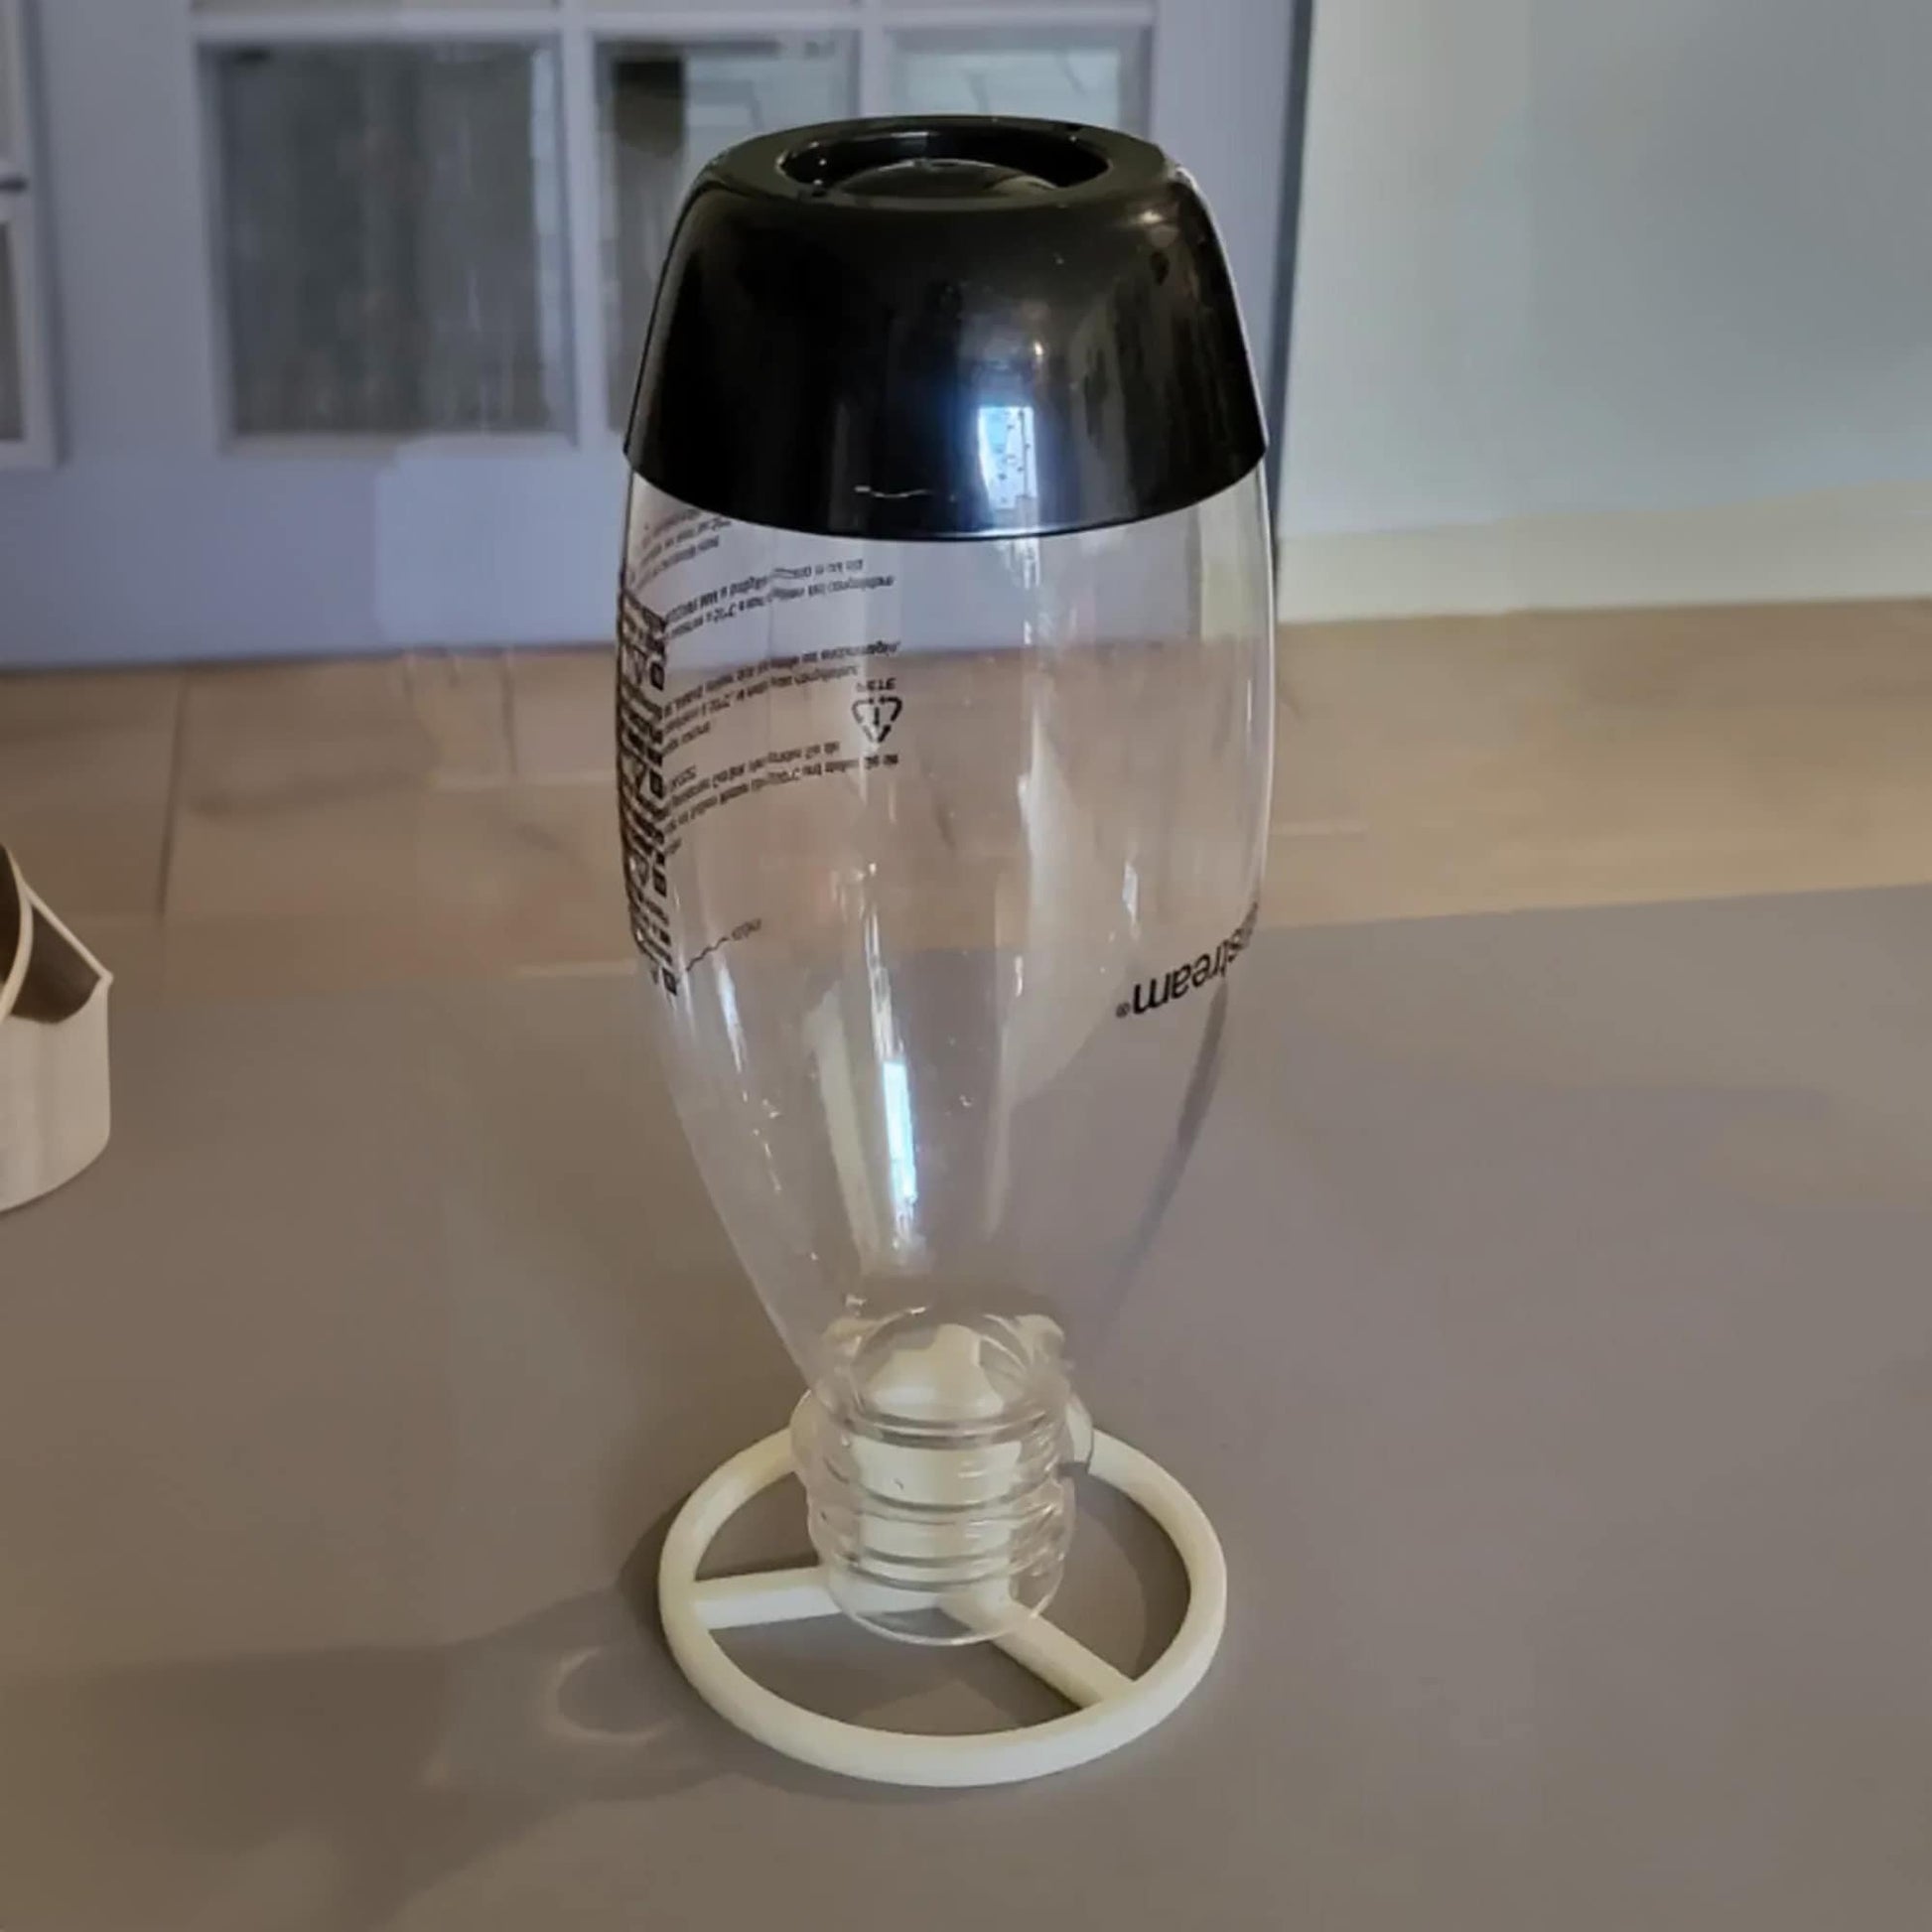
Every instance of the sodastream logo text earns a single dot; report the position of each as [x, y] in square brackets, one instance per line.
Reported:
[1178, 981]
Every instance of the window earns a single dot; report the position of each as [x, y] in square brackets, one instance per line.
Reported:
[390, 234]
[1070, 73]
[665, 112]
[26, 387]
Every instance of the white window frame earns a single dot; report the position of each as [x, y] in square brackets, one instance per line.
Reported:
[579, 30]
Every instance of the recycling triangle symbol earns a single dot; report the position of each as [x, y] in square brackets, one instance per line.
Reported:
[877, 715]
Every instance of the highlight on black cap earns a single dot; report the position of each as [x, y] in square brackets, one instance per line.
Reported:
[942, 327]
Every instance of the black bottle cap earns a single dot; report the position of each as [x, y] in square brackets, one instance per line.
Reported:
[952, 326]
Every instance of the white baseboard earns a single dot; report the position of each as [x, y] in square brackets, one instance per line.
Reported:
[1874, 542]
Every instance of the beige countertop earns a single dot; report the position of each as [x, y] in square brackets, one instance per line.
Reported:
[1544, 1322]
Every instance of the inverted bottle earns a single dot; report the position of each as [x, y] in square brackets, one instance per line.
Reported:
[946, 726]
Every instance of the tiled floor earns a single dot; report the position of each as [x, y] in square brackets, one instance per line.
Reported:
[248, 829]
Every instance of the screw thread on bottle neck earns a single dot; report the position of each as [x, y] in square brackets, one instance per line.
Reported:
[935, 1459]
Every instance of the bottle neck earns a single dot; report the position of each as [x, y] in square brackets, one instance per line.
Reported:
[936, 1457]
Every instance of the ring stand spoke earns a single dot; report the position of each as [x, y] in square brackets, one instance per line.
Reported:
[1112, 1709]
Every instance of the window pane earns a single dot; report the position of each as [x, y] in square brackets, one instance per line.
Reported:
[667, 109]
[1057, 75]
[392, 229]
[13, 396]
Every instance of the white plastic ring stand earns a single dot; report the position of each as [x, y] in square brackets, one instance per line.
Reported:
[1113, 1709]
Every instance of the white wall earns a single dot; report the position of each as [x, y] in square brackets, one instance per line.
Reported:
[1582, 284]
[150, 542]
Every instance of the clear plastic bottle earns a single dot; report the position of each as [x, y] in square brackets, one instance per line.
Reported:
[940, 854]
